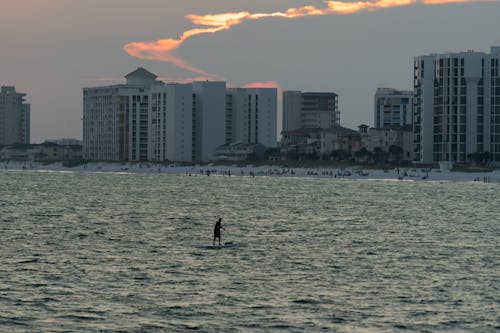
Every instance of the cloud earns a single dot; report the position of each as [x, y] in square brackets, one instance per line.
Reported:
[164, 49]
[265, 84]
[186, 80]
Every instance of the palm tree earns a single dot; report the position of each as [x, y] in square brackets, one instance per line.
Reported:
[379, 156]
[341, 155]
[488, 157]
[481, 158]
[476, 157]
[362, 155]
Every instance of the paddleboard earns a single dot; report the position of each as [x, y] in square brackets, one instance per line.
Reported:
[217, 246]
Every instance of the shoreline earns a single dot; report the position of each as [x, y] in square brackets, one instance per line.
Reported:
[401, 174]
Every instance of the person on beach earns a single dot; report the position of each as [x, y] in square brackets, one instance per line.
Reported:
[217, 229]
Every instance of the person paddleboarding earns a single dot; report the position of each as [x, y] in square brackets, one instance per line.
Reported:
[217, 230]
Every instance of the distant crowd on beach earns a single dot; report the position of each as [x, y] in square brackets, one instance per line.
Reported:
[402, 174]
[484, 180]
[274, 172]
[345, 173]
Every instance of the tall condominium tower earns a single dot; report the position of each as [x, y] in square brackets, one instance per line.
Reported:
[310, 110]
[170, 123]
[393, 107]
[251, 116]
[14, 117]
[457, 106]
[209, 118]
[116, 119]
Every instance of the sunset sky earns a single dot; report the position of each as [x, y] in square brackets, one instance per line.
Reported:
[50, 49]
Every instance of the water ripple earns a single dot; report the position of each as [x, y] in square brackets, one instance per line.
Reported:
[127, 253]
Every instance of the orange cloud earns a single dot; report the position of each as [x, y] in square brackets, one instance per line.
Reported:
[442, 2]
[164, 49]
[265, 84]
[186, 80]
[219, 20]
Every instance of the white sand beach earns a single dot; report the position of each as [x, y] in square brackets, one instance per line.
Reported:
[401, 174]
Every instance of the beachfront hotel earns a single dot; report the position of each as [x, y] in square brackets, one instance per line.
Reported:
[393, 108]
[310, 110]
[147, 119]
[457, 106]
[14, 117]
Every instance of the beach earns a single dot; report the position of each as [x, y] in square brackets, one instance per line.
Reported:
[354, 172]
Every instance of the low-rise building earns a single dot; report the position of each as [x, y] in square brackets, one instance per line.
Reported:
[339, 138]
[385, 138]
[301, 142]
[240, 152]
[47, 152]
[319, 142]
[17, 152]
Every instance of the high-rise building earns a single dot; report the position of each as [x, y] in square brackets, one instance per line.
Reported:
[457, 106]
[146, 119]
[251, 116]
[209, 118]
[310, 110]
[116, 119]
[292, 108]
[170, 123]
[393, 107]
[14, 117]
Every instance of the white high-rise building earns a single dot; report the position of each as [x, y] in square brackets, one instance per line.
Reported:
[251, 116]
[14, 117]
[393, 107]
[209, 118]
[457, 106]
[170, 123]
[146, 119]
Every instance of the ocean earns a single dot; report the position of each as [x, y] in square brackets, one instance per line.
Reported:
[129, 252]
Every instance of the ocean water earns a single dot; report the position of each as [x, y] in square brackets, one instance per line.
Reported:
[119, 252]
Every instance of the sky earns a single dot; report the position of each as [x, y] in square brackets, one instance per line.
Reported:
[51, 49]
